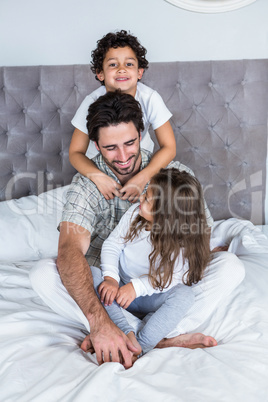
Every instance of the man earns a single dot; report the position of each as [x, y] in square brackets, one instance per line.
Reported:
[114, 123]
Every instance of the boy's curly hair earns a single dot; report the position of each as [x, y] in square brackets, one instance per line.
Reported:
[115, 40]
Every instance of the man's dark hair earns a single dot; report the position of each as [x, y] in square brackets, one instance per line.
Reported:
[112, 109]
[115, 40]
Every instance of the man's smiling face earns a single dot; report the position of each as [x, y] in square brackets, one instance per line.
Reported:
[120, 148]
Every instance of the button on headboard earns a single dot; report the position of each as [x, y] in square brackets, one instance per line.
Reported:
[219, 119]
[220, 123]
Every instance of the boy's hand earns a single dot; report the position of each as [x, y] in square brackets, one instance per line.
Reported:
[108, 290]
[106, 185]
[134, 188]
[125, 295]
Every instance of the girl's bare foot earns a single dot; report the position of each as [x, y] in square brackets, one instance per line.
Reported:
[191, 341]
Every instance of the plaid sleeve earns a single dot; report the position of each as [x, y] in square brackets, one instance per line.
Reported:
[82, 203]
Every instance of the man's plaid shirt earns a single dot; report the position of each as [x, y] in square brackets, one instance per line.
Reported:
[87, 207]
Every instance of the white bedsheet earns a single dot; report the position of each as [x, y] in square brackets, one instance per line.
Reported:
[40, 359]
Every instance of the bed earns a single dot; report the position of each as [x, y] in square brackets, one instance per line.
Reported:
[220, 123]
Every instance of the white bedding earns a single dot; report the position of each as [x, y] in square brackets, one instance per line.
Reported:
[40, 358]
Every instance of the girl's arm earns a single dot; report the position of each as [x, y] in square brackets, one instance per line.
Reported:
[77, 155]
[113, 246]
[166, 153]
[143, 287]
[110, 254]
[166, 140]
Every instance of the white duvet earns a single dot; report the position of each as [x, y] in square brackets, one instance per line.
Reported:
[40, 358]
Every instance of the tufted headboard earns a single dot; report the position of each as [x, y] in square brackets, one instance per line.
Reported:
[219, 119]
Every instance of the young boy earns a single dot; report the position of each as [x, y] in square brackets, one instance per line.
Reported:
[119, 62]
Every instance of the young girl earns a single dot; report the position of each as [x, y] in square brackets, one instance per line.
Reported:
[157, 248]
[119, 62]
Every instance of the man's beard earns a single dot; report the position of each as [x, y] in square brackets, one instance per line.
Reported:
[123, 171]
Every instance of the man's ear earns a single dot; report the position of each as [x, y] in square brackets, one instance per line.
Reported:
[96, 145]
[140, 73]
[100, 76]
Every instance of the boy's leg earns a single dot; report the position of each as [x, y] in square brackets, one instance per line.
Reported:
[169, 308]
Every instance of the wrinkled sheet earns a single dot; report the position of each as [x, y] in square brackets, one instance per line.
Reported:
[40, 358]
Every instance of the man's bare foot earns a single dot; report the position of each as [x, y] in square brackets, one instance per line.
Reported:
[131, 336]
[86, 345]
[191, 341]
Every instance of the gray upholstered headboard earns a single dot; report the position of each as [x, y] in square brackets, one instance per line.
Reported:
[219, 119]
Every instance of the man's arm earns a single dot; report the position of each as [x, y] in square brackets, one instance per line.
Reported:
[109, 342]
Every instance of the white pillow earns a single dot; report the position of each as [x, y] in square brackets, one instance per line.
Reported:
[28, 226]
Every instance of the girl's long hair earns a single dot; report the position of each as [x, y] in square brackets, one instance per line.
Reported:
[179, 224]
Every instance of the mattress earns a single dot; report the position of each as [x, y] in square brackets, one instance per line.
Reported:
[40, 357]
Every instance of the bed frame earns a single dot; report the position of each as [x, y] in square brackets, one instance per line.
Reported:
[219, 119]
[220, 123]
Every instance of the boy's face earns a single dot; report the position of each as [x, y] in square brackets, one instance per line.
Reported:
[120, 70]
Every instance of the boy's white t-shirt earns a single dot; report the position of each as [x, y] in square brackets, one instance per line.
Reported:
[154, 111]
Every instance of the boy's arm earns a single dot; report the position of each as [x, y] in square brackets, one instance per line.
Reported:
[166, 153]
[77, 151]
[166, 140]
[77, 155]
[107, 339]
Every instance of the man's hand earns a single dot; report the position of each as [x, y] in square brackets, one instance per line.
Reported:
[125, 295]
[110, 343]
[108, 290]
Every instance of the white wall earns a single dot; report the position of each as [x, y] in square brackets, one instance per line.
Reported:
[34, 32]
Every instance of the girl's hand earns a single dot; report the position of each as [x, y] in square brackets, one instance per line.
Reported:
[108, 290]
[125, 295]
[106, 185]
[134, 187]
